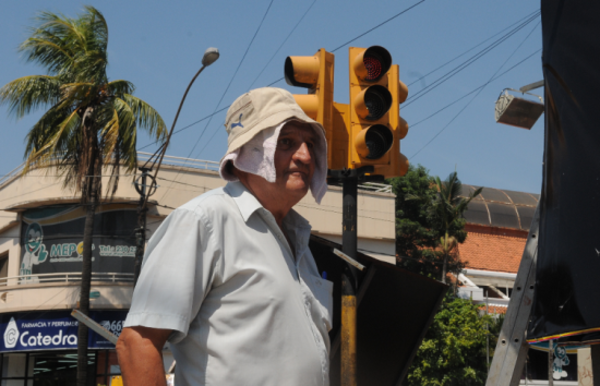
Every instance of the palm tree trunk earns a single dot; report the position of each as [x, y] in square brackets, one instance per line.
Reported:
[445, 265]
[90, 190]
[84, 300]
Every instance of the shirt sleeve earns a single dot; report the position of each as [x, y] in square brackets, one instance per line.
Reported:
[178, 270]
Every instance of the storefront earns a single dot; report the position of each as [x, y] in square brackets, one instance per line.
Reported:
[39, 348]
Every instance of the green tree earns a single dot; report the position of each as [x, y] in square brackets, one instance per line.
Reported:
[429, 222]
[416, 237]
[90, 123]
[454, 350]
[446, 212]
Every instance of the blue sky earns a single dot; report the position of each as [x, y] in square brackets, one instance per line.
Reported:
[159, 45]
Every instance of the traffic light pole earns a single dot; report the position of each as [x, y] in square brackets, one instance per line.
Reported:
[349, 178]
[349, 283]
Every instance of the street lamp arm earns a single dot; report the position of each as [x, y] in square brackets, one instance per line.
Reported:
[532, 86]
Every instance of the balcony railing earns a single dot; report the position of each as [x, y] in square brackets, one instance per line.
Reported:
[65, 277]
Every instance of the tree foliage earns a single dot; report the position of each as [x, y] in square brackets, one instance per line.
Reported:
[429, 221]
[454, 350]
[90, 122]
[416, 236]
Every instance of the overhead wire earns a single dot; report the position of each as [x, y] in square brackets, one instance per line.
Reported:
[230, 82]
[340, 47]
[282, 43]
[363, 34]
[234, 75]
[439, 81]
[475, 89]
[477, 94]
[471, 49]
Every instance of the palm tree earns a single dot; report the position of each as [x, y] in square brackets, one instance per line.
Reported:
[446, 211]
[90, 123]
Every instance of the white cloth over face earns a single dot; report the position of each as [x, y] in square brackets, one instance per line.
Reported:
[246, 307]
[258, 157]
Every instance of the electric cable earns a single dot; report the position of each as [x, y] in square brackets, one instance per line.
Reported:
[230, 82]
[475, 89]
[233, 77]
[466, 63]
[281, 45]
[472, 48]
[477, 94]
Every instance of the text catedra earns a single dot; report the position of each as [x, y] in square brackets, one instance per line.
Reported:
[47, 340]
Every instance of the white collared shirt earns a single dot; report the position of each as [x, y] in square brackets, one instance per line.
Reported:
[220, 273]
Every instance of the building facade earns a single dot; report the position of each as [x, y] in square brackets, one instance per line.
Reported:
[41, 231]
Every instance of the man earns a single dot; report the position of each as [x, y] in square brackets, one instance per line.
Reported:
[228, 278]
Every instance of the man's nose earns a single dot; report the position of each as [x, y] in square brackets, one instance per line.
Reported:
[302, 154]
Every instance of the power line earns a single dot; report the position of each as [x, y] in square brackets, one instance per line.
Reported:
[477, 94]
[362, 34]
[378, 25]
[338, 48]
[472, 48]
[229, 85]
[233, 77]
[467, 63]
[282, 43]
[475, 89]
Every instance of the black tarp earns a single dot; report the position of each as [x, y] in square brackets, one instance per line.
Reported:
[568, 267]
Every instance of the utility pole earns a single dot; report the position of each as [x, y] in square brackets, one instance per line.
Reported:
[145, 191]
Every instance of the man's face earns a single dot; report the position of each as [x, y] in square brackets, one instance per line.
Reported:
[294, 166]
[295, 158]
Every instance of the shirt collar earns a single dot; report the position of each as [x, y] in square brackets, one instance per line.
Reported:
[246, 202]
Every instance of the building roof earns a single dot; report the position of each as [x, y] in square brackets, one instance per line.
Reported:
[501, 208]
[492, 252]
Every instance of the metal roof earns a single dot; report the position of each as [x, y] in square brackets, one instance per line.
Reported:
[501, 208]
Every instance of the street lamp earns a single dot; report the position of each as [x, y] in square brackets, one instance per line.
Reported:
[519, 112]
[210, 56]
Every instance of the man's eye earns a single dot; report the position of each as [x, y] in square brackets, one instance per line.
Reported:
[310, 145]
[285, 141]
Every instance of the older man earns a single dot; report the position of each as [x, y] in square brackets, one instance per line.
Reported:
[228, 278]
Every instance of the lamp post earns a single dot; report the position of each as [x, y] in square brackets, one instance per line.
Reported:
[145, 191]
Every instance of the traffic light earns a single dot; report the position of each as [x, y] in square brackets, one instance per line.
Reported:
[374, 123]
[315, 73]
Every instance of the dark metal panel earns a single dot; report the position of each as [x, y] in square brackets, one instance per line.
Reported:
[503, 216]
[526, 216]
[395, 308]
[521, 198]
[468, 189]
[491, 194]
[477, 213]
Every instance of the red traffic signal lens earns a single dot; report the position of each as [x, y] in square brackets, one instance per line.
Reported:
[379, 139]
[378, 101]
[377, 60]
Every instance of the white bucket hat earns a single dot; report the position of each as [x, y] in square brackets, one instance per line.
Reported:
[265, 111]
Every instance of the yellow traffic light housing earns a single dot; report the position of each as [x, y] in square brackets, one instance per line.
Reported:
[375, 126]
[397, 164]
[315, 73]
[370, 100]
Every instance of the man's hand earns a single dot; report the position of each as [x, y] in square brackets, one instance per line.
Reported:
[140, 356]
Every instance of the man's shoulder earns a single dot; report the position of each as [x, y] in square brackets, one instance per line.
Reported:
[213, 200]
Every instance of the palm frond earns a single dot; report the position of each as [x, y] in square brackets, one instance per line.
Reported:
[147, 117]
[53, 145]
[28, 93]
[81, 93]
[120, 87]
